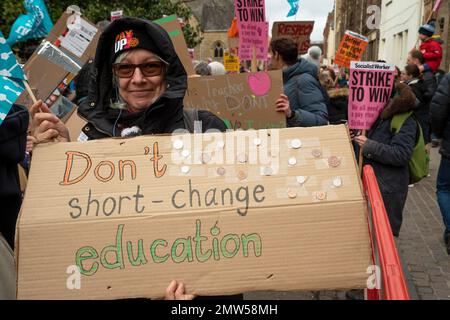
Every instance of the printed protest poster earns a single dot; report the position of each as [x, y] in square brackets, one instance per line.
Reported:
[172, 25]
[231, 62]
[250, 11]
[242, 101]
[121, 218]
[298, 31]
[116, 15]
[253, 35]
[370, 85]
[352, 48]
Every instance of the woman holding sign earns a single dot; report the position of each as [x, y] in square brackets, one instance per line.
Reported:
[137, 87]
[389, 151]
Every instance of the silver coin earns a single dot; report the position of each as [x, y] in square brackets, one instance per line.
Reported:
[221, 171]
[337, 182]
[257, 142]
[296, 143]
[185, 169]
[185, 153]
[292, 161]
[301, 180]
[178, 144]
[242, 158]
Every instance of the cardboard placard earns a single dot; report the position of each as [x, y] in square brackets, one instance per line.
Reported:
[231, 62]
[370, 86]
[172, 26]
[116, 15]
[42, 66]
[242, 101]
[299, 31]
[352, 48]
[130, 218]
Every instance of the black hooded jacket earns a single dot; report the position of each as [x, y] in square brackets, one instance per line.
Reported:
[13, 141]
[165, 115]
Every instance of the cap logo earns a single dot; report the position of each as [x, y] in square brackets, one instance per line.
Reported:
[125, 40]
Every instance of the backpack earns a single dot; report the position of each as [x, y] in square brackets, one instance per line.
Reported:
[419, 163]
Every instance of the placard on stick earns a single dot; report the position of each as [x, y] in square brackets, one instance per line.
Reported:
[298, 31]
[370, 86]
[242, 101]
[352, 48]
[132, 215]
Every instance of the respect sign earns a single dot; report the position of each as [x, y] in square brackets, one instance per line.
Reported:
[371, 85]
[352, 48]
[298, 31]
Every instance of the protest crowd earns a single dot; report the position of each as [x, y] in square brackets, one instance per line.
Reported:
[135, 84]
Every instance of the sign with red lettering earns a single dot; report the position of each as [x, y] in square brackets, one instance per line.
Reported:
[299, 31]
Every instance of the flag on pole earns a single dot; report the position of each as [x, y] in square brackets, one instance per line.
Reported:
[11, 77]
[294, 7]
[36, 23]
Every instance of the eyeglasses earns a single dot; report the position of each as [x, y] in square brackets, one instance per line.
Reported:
[148, 69]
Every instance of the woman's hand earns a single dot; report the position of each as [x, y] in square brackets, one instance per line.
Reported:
[282, 105]
[31, 141]
[177, 291]
[360, 140]
[47, 127]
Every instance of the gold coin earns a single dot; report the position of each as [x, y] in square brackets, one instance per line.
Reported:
[334, 161]
[322, 195]
[242, 175]
[291, 194]
[221, 171]
[317, 153]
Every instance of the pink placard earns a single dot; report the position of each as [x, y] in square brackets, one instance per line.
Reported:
[250, 11]
[370, 85]
[253, 34]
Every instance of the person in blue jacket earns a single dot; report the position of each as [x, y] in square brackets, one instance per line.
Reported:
[301, 85]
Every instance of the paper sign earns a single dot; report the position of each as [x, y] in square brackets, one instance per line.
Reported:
[116, 15]
[250, 11]
[78, 37]
[298, 31]
[370, 88]
[253, 35]
[352, 48]
[123, 217]
[173, 28]
[231, 62]
[242, 101]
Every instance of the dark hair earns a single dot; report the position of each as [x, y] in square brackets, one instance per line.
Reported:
[416, 54]
[412, 70]
[286, 48]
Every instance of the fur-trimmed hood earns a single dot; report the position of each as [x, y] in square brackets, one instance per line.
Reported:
[403, 101]
[338, 93]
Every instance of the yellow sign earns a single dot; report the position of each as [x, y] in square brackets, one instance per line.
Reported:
[231, 62]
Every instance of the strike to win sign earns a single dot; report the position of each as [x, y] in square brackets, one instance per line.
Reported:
[371, 85]
[130, 215]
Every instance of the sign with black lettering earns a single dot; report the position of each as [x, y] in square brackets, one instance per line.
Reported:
[370, 85]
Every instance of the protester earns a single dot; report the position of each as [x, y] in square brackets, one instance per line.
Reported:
[440, 122]
[342, 79]
[430, 48]
[337, 98]
[217, 69]
[314, 54]
[301, 85]
[13, 142]
[428, 89]
[137, 89]
[389, 153]
[202, 69]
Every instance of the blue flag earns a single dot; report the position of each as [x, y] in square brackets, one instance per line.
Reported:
[294, 7]
[8, 63]
[10, 90]
[36, 23]
[11, 76]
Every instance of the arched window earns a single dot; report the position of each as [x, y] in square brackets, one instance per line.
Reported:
[218, 49]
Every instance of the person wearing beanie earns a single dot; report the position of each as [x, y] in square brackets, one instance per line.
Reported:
[430, 47]
[313, 56]
[217, 69]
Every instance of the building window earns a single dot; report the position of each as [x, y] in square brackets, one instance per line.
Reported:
[218, 49]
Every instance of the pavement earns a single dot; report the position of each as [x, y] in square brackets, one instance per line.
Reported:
[421, 248]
